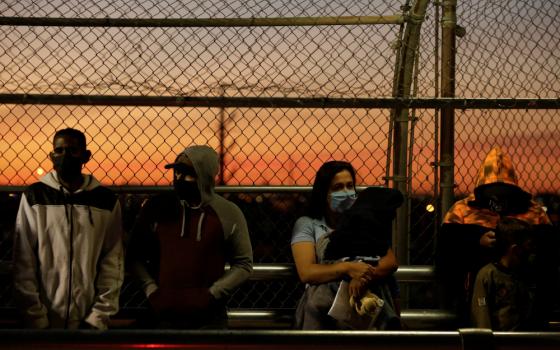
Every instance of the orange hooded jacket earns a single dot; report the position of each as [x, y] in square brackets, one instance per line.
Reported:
[459, 255]
[496, 168]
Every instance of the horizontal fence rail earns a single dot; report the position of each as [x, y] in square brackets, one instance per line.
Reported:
[263, 271]
[424, 319]
[282, 102]
[456, 340]
[266, 272]
[218, 189]
[202, 22]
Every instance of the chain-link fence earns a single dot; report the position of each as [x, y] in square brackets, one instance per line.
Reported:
[518, 58]
[505, 50]
[221, 54]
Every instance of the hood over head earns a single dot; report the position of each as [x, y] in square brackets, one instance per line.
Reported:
[498, 183]
[206, 164]
[496, 168]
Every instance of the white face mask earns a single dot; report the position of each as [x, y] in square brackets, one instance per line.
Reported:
[342, 200]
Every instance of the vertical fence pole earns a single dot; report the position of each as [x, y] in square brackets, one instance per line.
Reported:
[407, 55]
[437, 116]
[221, 154]
[448, 26]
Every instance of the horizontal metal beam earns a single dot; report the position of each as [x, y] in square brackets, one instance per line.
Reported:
[271, 339]
[266, 272]
[245, 318]
[201, 22]
[408, 273]
[415, 273]
[219, 189]
[281, 102]
[419, 319]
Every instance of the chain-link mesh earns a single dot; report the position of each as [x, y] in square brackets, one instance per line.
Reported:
[262, 146]
[519, 57]
[509, 50]
[130, 145]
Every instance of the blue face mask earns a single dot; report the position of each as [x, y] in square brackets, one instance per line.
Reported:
[342, 200]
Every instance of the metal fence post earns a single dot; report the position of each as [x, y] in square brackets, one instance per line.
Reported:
[403, 82]
[448, 24]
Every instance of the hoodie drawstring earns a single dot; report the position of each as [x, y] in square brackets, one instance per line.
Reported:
[199, 229]
[184, 222]
[184, 219]
[89, 179]
[65, 205]
[90, 215]
[71, 253]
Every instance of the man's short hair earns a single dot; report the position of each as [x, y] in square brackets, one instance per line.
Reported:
[74, 133]
[511, 231]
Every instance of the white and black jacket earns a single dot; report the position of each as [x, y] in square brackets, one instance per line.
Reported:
[68, 254]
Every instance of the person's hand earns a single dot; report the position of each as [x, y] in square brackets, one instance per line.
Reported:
[357, 287]
[488, 239]
[361, 270]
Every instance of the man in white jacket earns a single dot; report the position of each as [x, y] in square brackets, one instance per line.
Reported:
[68, 252]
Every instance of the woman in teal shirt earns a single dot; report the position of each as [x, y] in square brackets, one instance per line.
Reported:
[333, 192]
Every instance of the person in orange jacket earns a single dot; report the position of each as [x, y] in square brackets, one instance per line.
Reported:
[466, 240]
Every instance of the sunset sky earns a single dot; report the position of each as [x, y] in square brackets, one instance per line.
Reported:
[511, 49]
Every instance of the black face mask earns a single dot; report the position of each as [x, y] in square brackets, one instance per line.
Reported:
[498, 205]
[502, 199]
[69, 168]
[188, 191]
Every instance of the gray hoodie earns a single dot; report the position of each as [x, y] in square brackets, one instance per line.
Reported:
[206, 165]
[233, 223]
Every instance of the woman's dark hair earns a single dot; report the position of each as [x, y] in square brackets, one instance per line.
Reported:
[325, 174]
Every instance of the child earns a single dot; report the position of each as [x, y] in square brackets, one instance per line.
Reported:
[364, 230]
[503, 300]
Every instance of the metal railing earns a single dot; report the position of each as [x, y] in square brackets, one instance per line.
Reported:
[467, 339]
[288, 86]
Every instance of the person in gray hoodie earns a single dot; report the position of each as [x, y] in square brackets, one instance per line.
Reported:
[181, 242]
[68, 252]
